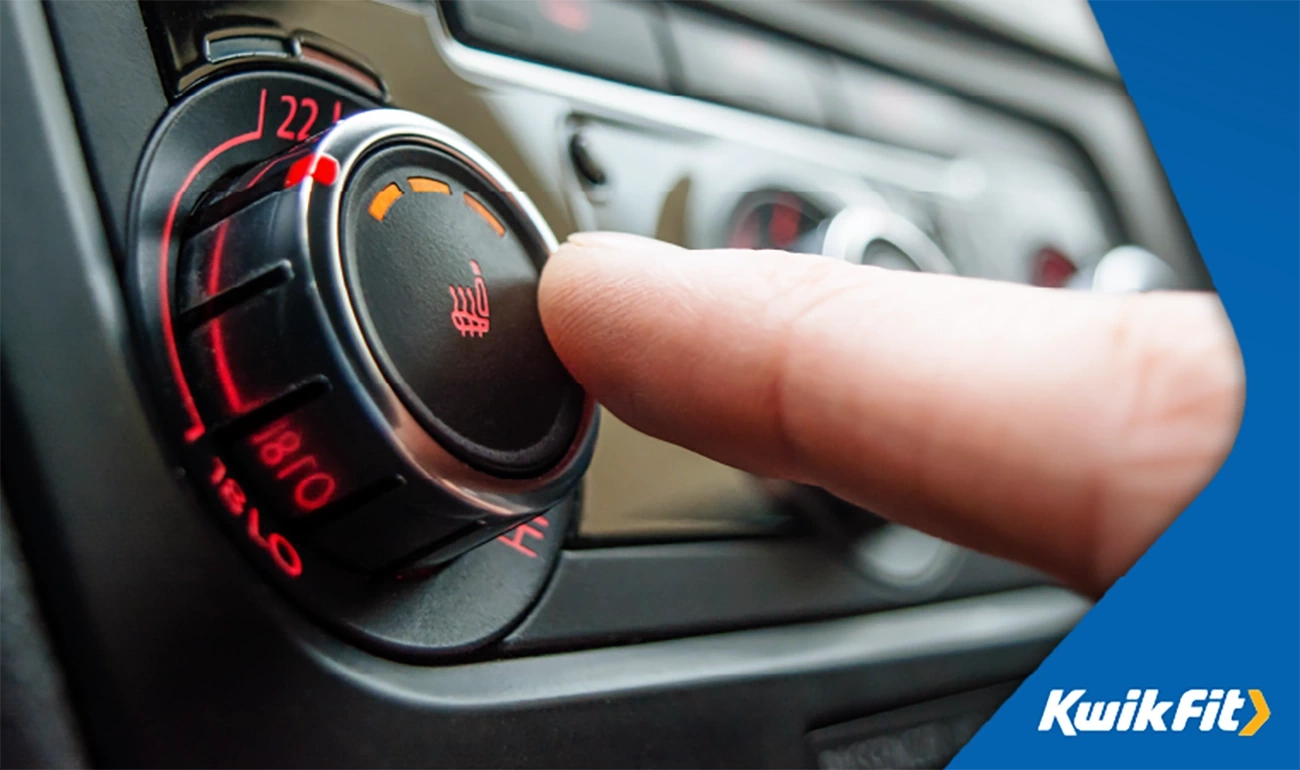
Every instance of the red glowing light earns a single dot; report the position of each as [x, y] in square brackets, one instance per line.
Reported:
[232, 496]
[784, 225]
[573, 15]
[327, 176]
[1052, 268]
[469, 311]
[308, 104]
[320, 168]
[282, 552]
[298, 171]
[196, 429]
[515, 537]
[278, 447]
[326, 170]
[220, 362]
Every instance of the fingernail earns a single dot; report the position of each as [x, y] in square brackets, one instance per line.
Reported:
[618, 242]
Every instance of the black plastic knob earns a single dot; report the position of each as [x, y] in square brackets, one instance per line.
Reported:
[361, 329]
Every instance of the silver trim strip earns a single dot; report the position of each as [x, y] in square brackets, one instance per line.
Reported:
[894, 165]
[1027, 615]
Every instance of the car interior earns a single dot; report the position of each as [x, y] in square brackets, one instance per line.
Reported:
[277, 487]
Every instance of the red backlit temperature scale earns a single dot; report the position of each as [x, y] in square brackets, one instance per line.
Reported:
[357, 430]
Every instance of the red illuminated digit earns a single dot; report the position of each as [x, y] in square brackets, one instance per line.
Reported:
[308, 103]
[284, 554]
[282, 551]
[273, 452]
[284, 132]
[277, 445]
[232, 496]
[254, 525]
[314, 491]
[338, 110]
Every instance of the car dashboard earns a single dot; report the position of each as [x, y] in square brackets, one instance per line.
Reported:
[217, 586]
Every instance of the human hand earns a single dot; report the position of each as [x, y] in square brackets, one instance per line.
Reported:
[1064, 430]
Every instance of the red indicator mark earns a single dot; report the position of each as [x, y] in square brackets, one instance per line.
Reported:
[280, 448]
[573, 15]
[784, 225]
[1052, 268]
[515, 537]
[268, 166]
[220, 362]
[196, 429]
[320, 168]
[232, 496]
[469, 306]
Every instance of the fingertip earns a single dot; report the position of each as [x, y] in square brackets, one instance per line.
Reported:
[584, 291]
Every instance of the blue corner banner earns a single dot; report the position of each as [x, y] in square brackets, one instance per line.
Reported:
[1193, 659]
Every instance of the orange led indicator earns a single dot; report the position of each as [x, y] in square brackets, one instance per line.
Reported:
[483, 212]
[384, 200]
[422, 184]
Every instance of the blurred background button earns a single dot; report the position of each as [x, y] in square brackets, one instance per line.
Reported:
[735, 65]
[619, 41]
[883, 107]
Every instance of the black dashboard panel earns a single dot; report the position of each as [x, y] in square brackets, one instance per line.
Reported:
[681, 613]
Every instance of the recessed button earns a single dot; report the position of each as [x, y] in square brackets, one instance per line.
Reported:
[728, 63]
[613, 40]
[894, 110]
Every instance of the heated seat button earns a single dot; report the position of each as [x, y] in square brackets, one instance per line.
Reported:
[613, 40]
[446, 292]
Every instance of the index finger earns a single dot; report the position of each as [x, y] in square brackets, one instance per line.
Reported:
[1062, 430]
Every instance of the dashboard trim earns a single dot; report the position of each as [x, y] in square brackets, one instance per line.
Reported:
[610, 99]
[1036, 613]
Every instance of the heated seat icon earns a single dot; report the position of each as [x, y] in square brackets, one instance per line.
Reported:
[469, 310]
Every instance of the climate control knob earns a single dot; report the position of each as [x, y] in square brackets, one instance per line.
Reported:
[359, 328]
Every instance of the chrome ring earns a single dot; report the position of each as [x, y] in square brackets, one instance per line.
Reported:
[348, 142]
[850, 232]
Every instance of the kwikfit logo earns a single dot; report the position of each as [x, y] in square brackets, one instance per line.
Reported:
[1143, 710]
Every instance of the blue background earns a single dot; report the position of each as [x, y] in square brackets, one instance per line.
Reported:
[1216, 601]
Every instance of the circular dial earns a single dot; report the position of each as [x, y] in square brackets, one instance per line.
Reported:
[342, 319]
[367, 317]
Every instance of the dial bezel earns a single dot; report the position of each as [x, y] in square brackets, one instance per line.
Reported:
[850, 232]
[350, 142]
